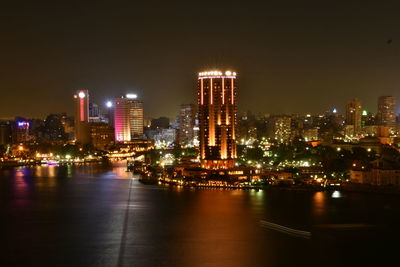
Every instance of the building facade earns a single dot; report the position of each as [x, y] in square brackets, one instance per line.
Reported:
[128, 119]
[82, 131]
[386, 115]
[217, 119]
[353, 115]
[102, 135]
[187, 119]
[136, 119]
[20, 133]
[282, 128]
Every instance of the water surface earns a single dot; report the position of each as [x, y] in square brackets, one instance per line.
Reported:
[100, 215]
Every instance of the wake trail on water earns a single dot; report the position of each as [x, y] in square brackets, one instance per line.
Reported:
[285, 230]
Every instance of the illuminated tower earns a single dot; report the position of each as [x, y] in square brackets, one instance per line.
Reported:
[82, 116]
[128, 118]
[121, 120]
[386, 111]
[217, 119]
[353, 115]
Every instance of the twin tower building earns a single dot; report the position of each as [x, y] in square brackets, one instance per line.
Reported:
[216, 115]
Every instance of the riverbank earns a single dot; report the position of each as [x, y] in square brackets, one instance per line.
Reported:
[390, 190]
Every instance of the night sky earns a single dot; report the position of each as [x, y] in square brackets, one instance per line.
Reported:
[291, 56]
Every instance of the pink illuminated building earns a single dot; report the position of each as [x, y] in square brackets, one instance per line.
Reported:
[128, 118]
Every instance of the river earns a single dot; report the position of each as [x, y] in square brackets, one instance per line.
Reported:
[101, 215]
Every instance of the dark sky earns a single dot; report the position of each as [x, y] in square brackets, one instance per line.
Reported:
[291, 56]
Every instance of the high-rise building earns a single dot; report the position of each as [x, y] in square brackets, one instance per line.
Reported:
[386, 111]
[128, 118]
[121, 120]
[282, 128]
[217, 119]
[353, 115]
[82, 131]
[187, 119]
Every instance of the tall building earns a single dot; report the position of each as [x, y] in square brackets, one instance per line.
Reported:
[353, 115]
[282, 128]
[386, 111]
[82, 131]
[187, 119]
[217, 119]
[128, 118]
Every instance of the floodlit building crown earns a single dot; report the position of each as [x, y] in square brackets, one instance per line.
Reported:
[217, 73]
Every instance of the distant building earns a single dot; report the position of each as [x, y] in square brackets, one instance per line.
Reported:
[128, 118]
[53, 128]
[69, 126]
[353, 115]
[217, 119]
[164, 137]
[82, 116]
[102, 135]
[310, 134]
[121, 120]
[376, 176]
[386, 115]
[370, 130]
[187, 121]
[282, 128]
[5, 132]
[94, 113]
[20, 132]
[348, 130]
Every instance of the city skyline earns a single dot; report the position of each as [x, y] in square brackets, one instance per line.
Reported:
[178, 133]
[106, 104]
[287, 55]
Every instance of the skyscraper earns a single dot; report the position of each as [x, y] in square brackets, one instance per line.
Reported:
[136, 119]
[128, 118]
[82, 117]
[353, 115]
[386, 111]
[187, 117]
[217, 119]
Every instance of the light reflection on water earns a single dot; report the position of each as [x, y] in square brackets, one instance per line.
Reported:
[319, 204]
[116, 170]
[176, 225]
[336, 194]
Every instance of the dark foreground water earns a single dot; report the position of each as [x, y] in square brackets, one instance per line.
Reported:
[97, 215]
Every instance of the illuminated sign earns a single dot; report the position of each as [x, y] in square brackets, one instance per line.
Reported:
[131, 96]
[23, 124]
[217, 73]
